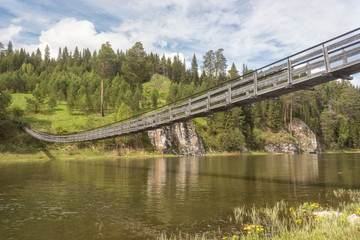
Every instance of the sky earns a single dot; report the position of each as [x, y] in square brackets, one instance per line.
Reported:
[254, 32]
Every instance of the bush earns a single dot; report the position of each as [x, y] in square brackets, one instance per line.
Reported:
[17, 112]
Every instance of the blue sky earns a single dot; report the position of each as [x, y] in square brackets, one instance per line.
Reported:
[255, 32]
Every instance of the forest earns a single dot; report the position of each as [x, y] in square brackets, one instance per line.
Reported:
[106, 81]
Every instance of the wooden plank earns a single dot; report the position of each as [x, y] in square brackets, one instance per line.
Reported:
[241, 90]
[197, 105]
[272, 70]
[219, 105]
[222, 97]
[345, 54]
[344, 42]
[199, 111]
[202, 97]
[180, 110]
[243, 81]
[308, 56]
[224, 88]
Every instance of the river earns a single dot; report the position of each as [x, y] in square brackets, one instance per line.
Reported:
[138, 198]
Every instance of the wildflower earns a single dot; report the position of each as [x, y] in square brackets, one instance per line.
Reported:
[291, 209]
[298, 221]
[235, 237]
[224, 238]
[343, 218]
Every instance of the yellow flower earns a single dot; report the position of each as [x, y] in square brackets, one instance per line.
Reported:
[224, 238]
[291, 209]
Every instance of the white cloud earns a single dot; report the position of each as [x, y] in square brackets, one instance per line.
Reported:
[7, 34]
[255, 32]
[72, 33]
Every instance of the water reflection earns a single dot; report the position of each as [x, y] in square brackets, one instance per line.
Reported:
[133, 198]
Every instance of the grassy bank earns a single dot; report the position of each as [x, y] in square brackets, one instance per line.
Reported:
[59, 120]
[284, 221]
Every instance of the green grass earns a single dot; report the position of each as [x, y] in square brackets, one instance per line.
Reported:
[60, 120]
[18, 100]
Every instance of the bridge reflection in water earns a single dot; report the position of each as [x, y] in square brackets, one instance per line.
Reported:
[137, 196]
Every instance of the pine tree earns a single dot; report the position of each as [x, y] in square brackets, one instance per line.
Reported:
[105, 65]
[209, 64]
[134, 67]
[233, 72]
[47, 54]
[194, 71]
[220, 65]
[10, 48]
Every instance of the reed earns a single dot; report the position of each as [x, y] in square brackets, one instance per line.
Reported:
[283, 221]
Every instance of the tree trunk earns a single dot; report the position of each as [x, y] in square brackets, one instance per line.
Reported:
[137, 95]
[102, 98]
[285, 112]
[291, 109]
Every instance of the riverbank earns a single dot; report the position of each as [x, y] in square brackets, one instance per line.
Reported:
[309, 220]
[40, 152]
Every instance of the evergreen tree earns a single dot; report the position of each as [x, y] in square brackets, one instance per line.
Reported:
[10, 48]
[220, 65]
[209, 64]
[134, 67]
[233, 72]
[47, 54]
[106, 67]
[5, 102]
[59, 55]
[154, 98]
[194, 71]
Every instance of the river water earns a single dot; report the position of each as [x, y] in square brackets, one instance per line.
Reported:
[139, 198]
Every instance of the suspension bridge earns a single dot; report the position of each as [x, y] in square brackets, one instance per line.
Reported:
[335, 58]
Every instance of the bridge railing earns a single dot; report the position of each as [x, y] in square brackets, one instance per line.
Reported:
[305, 68]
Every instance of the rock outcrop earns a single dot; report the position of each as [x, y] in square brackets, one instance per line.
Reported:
[282, 142]
[299, 138]
[305, 137]
[179, 138]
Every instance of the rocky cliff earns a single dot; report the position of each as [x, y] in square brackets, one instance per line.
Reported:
[305, 137]
[179, 138]
[299, 138]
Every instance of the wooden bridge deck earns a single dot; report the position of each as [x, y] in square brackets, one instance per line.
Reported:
[336, 58]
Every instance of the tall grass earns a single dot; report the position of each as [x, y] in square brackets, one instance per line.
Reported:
[284, 221]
